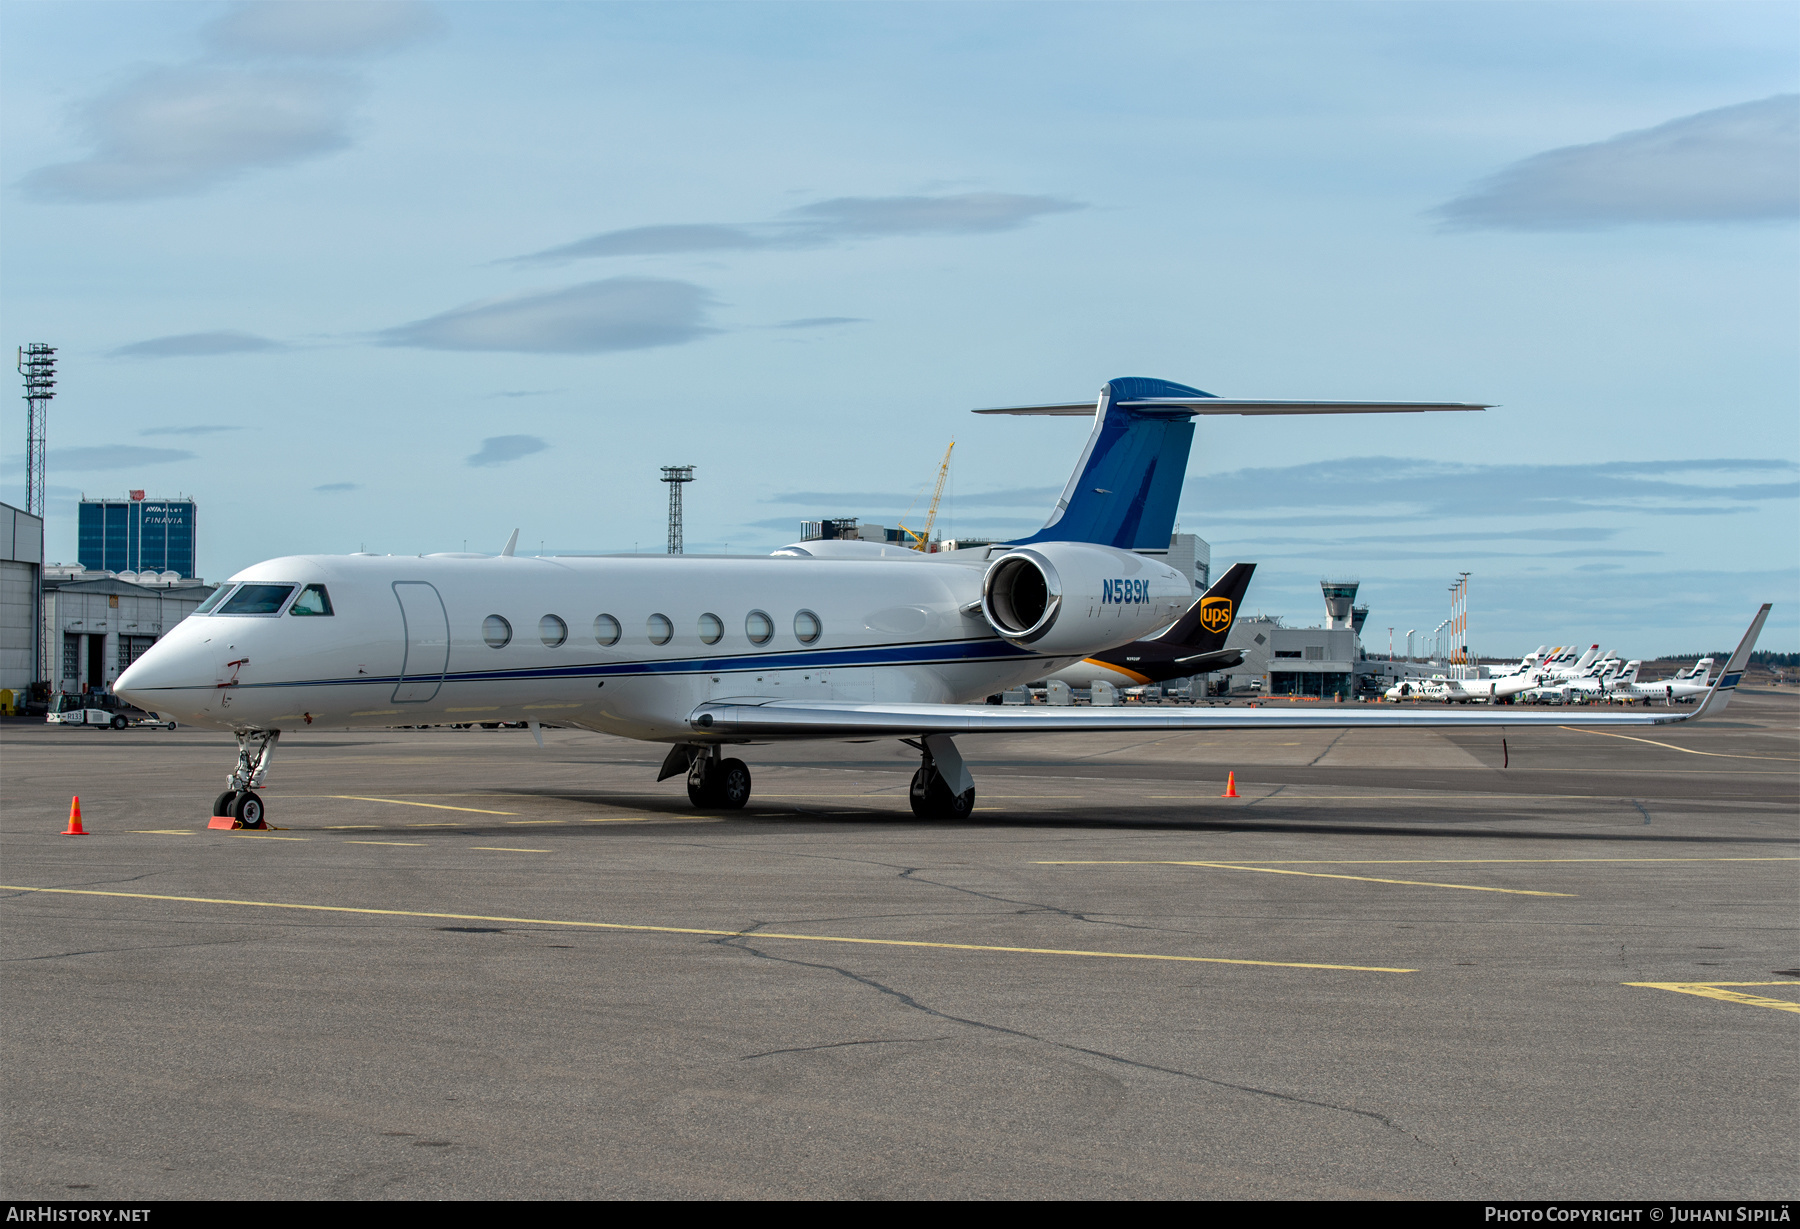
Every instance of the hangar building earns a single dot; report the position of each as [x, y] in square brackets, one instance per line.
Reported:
[21, 569]
[96, 623]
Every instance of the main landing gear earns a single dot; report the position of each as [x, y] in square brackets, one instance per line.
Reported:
[942, 787]
[240, 802]
[712, 782]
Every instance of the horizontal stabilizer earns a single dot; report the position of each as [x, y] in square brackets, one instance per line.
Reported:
[1222, 405]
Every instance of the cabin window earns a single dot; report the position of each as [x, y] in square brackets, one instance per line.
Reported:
[606, 629]
[496, 631]
[313, 600]
[661, 630]
[806, 627]
[552, 631]
[257, 600]
[218, 595]
[712, 628]
[759, 627]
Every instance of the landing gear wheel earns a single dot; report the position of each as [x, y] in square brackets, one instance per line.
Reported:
[718, 784]
[247, 809]
[731, 784]
[932, 799]
[222, 804]
[703, 780]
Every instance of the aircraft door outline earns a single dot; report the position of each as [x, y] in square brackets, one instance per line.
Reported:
[427, 626]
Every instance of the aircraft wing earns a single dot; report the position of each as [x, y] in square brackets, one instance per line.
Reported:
[832, 719]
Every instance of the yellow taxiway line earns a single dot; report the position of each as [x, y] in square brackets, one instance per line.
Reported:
[1269, 870]
[727, 934]
[1715, 990]
[1406, 861]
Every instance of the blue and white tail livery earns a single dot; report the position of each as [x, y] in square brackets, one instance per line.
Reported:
[1126, 486]
[703, 653]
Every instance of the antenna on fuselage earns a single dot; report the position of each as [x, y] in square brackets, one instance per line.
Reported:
[511, 545]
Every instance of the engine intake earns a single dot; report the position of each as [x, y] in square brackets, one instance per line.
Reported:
[1021, 596]
[1076, 598]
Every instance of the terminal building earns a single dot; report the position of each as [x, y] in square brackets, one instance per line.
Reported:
[137, 535]
[1304, 661]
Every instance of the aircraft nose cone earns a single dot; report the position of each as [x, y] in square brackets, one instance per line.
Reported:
[165, 667]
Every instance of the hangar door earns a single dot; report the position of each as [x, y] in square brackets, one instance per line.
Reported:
[427, 641]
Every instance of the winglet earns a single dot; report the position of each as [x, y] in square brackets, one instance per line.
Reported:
[512, 544]
[1720, 695]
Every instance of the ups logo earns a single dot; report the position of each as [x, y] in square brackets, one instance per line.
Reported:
[1215, 613]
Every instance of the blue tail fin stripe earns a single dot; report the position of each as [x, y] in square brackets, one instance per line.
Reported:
[1127, 485]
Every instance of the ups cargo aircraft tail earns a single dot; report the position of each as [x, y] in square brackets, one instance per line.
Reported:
[706, 653]
[1194, 645]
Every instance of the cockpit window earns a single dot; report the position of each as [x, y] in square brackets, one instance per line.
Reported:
[218, 595]
[257, 600]
[313, 600]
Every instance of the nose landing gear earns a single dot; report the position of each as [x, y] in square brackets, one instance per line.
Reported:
[240, 803]
[942, 787]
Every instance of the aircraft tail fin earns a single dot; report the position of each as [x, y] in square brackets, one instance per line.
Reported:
[1208, 621]
[1125, 487]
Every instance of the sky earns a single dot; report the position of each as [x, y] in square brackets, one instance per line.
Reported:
[404, 277]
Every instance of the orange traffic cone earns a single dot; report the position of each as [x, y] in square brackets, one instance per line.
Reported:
[74, 828]
[1230, 786]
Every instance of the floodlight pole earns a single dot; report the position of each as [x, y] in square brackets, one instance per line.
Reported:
[675, 476]
[37, 363]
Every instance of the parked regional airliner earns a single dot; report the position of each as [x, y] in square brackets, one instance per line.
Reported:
[703, 653]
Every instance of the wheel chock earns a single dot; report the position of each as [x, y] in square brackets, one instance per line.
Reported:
[223, 821]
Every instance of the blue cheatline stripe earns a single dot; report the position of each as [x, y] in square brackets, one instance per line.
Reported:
[950, 652]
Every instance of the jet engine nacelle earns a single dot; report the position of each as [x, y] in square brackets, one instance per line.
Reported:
[1057, 598]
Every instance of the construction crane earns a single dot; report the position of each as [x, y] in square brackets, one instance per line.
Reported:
[921, 541]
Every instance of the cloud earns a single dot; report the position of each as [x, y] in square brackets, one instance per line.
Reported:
[970, 213]
[529, 392]
[113, 456]
[176, 131]
[820, 224]
[1734, 164]
[189, 345]
[205, 430]
[619, 313]
[820, 322]
[1405, 489]
[650, 241]
[499, 449]
[322, 28]
[343, 486]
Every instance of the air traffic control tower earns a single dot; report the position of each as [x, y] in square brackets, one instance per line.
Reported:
[1340, 597]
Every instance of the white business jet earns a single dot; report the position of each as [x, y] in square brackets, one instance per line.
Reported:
[841, 640]
[1685, 685]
